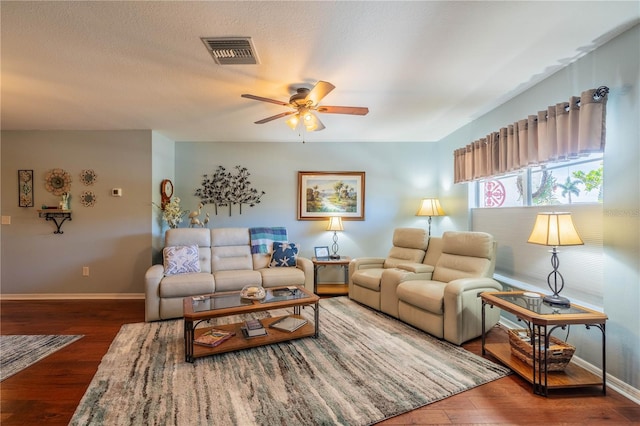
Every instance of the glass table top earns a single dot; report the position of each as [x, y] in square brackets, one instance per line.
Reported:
[211, 302]
[535, 304]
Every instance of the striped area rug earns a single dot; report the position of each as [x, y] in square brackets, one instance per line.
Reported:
[18, 352]
[365, 367]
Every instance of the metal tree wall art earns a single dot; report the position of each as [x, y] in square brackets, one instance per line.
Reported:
[227, 189]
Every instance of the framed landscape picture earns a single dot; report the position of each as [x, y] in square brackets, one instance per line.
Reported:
[324, 194]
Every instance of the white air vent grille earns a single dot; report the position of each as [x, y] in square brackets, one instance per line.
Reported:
[231, 50]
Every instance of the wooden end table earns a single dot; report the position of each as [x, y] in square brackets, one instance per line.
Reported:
[203, 308]
[343, 263]
[542, 320]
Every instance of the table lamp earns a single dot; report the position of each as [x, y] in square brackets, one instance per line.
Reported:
[335, 224]
[555, 229]
[430, 207]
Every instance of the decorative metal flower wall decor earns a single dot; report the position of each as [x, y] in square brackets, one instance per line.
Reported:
[88, 198]
[57, 181]
[25, 188]
[88, 177]
[227, 189]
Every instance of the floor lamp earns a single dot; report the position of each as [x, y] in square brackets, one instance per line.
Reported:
[555, 229]
[430, 207]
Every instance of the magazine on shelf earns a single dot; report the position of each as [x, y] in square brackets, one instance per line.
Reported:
[213, 337]
[289, 323]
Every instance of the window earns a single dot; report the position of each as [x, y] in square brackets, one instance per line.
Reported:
[574, 182]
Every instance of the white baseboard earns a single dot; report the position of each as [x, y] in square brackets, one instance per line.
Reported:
[72, 296]
[614, 383]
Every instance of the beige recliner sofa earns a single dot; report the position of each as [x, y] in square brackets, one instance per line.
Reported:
[226, 264]
[365, 274]
[440, 294]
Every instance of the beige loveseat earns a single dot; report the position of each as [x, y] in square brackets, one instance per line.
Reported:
[225, 262]
[437, 294]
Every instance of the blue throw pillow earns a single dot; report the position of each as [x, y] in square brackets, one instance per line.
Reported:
[284, 255]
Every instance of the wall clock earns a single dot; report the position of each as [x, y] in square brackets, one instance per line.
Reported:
[166, 191]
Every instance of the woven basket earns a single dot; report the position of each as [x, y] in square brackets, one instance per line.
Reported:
[559, 353]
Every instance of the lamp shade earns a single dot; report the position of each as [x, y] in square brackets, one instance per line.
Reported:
[430, 207]
[335, 224]
[554, 229]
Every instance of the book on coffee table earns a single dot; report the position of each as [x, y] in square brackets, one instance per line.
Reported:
[289, 323]
[253, 328]
[213, 337]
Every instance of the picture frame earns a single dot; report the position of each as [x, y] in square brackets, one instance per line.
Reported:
[25, 188]
[322, 252]
[325, 194]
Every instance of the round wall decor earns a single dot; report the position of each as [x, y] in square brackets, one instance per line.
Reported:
[88, 177]
[88, 198]
[57, 181]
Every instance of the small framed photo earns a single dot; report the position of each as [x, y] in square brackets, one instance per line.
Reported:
[322, 253]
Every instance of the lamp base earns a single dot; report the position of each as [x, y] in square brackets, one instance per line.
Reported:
[556, 300]
[334, 256]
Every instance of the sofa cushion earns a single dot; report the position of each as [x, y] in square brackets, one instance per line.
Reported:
[426, 295]
[368, 278]
[275, 277]
[234, 280]
[184, 285]
[284, 255]
[181, 259]
[230, 258]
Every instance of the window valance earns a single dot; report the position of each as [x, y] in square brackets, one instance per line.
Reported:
[561, 132]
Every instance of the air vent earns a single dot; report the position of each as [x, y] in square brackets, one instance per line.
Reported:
[231, 50]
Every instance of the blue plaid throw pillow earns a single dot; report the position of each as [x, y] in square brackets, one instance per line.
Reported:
[284, 254]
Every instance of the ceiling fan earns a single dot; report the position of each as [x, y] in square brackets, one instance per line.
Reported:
[304, 102]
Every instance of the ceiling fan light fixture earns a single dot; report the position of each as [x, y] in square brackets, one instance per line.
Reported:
[293, 121]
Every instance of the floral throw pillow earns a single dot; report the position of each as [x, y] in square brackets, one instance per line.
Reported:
[284, 255]
[181, 260]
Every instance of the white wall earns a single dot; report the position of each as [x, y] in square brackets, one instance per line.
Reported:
[112, 238]
[615, 65]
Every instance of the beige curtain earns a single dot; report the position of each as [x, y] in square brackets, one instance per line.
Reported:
[561, 132]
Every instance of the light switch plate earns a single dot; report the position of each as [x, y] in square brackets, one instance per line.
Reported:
[6, 220]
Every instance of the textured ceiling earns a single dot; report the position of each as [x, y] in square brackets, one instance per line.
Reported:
[424, 68]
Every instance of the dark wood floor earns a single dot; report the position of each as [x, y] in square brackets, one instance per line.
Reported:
[49, 391]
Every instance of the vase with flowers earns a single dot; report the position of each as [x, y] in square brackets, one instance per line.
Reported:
[172, 212]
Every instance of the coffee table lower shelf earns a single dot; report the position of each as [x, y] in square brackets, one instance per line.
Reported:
[239, 342]
[572, 376]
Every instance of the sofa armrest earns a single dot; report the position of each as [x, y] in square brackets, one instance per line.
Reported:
[152, 279]
[463, 309]
[364, 263]
[417, 268]
[307, 267]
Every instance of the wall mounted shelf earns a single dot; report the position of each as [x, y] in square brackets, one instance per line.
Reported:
[54, 215]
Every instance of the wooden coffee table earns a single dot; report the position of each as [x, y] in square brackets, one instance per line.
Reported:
[202, 308]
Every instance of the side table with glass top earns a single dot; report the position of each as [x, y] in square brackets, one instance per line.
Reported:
[542, 320]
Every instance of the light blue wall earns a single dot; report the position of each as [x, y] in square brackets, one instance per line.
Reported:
[398, 175]
[615, 65]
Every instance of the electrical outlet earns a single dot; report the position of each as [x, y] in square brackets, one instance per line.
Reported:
[85, 271]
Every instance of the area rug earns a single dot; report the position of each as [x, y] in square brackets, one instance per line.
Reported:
[18, 352]
[363, 368]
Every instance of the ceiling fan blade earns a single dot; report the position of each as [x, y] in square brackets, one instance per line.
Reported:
[319, 91]
[260, 98]
[274, 117]
[343, 110]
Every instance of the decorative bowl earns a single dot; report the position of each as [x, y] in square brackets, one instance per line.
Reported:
[253, 292]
